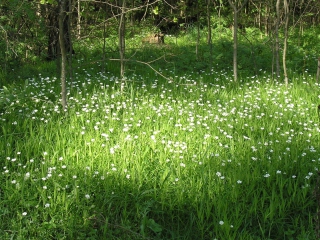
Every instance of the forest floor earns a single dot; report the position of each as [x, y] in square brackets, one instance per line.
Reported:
[193, 155]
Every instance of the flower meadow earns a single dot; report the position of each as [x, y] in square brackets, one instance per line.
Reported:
[198, 157]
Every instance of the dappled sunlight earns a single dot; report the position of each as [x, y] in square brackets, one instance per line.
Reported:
[206, 148]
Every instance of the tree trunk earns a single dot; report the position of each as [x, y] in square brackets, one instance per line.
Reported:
[285, 41]
[71, 51]
[103, 69]
[277, 48]
[235, 45]
[62, 8]
[318, 70]
[198, 32]
[52, 20]
[122, 39]
[79, 19]
[236, 10]
[209, 39]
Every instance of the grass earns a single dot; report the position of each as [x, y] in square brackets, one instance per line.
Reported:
[162, 161]
[200, 157]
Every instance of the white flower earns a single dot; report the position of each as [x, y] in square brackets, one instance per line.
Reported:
[221, 222]
[112, 150]
[27, 175]
[239, 181]
[104, 135]
[87, 196]
[266, 175]
[24, 214]
[47, 205]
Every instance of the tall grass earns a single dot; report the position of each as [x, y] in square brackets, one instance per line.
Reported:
[197, 158]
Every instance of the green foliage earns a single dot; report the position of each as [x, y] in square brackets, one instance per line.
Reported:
[21, 34]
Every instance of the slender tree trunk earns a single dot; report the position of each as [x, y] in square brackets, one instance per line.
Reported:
[236, 10]
[235, 45]
[61, 17]
[122, 43]
[209, 39]
[198, 32]
[266, 21]
[285, 41]
[79, 19]
[104, 41]
[277, 46]
[69, 21]
[122, 39]
[219, 16]
[318, 70]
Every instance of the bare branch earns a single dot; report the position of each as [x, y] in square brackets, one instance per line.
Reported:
[147, 64]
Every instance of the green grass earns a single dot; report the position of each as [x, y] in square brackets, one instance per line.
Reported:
[196, 160]
[196, 157]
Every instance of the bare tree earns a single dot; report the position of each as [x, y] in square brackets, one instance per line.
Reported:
[277, 43]
[62, 14]
[236, 10]
[209, 38]
[122, 43]
[285, 41]
[198, 31]
[78, 19]
[318, 70]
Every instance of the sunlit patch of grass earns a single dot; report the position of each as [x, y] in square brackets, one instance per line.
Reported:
[200, 157]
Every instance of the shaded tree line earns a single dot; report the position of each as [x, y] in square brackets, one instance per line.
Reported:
[31, 26]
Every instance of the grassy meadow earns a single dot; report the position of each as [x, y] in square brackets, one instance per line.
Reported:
[194, 157]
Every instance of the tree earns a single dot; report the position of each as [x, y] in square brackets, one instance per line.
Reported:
[285, 41]
[62, 41]
[122, 42]
[277, 43]
[51, 16]
[236, 10]
[209, 38]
